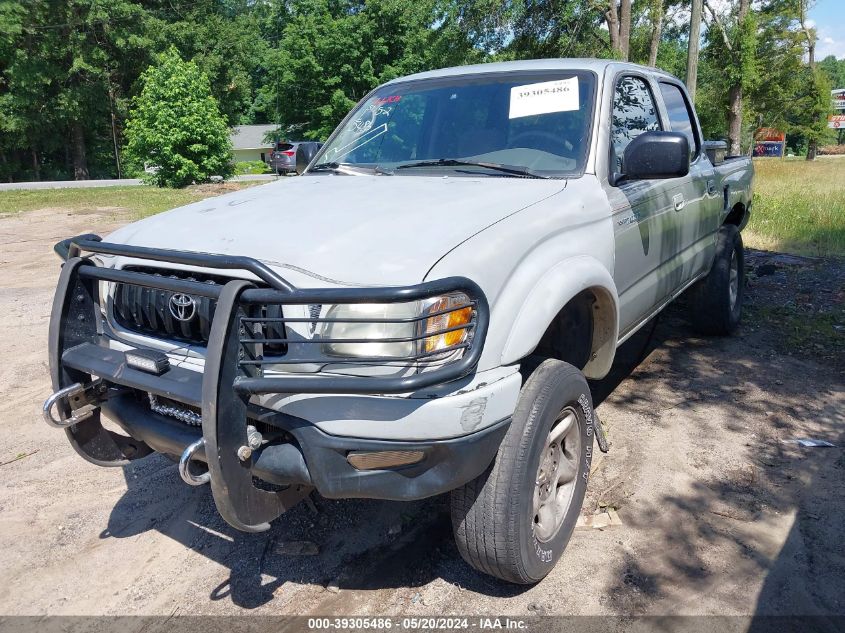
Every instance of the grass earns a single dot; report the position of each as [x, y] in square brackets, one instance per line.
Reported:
[816, 333]
[799, 207]
[139, 201]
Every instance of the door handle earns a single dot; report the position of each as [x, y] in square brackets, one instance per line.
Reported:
[711, 187]
[679, 201]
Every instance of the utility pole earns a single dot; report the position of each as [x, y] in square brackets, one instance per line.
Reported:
[692, 47]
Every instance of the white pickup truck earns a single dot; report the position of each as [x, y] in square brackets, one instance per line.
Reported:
[419, 311]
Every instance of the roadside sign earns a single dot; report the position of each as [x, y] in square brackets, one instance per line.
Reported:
[769, 141]
[836, 121]
[837, 99]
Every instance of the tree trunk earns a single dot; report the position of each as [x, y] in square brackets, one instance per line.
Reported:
[36, 166]
[656, 32]
[735, 120]
[77, 141]
[613, 25]
[810, 34]
[625, 29]
[735, 115]
[692, 48]
[114, 131]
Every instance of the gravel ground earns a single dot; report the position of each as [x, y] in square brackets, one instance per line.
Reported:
[720, 513]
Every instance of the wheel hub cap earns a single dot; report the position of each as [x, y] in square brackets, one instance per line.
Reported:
[556, 475]
[733, 286]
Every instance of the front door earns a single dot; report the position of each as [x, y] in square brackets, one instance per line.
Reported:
[645, 220]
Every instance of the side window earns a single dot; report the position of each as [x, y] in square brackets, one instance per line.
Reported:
[680, 115]
[634, 112]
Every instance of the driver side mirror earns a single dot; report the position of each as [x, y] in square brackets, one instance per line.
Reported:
[305, 153]
[656, 154]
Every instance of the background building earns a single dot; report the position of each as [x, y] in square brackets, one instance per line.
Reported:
[249, 142]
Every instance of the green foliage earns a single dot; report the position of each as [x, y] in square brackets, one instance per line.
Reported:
[799, 206]
[834, 69]
[69, 69]
[64, 68]
[225, 40]
[252, 167]
[176, 125]
[333, 52]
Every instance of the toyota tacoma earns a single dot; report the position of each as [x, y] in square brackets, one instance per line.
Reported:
[468, 248]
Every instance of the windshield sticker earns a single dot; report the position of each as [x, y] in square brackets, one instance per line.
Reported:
[364, 129]
[335, 154]
[368, 117]
[544, 98]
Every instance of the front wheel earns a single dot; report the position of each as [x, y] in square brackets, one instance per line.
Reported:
[514, 521]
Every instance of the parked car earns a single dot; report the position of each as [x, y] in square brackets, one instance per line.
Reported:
[282, 160]
[478, 242]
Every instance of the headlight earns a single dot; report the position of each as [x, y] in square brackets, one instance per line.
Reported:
[371, 322]
[398, 330]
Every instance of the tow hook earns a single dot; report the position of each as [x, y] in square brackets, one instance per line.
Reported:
[185, 465]
[81, 400]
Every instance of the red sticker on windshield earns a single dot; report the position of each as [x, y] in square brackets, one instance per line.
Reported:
[390, 99]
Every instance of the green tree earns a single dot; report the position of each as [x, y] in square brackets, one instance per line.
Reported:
[176, 125]
[330, 53]
[834, 69]
[64, 68]
[732, 47]
[226, 42]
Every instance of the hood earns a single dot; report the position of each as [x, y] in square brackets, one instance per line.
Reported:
[350, 230]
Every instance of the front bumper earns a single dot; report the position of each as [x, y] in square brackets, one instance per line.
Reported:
[295, 455]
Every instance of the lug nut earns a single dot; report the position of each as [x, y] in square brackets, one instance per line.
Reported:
[244, 453]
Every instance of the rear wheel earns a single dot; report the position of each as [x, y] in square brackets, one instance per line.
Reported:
[514, 521]
[716, 301]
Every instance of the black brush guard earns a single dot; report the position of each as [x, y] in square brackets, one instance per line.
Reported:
[234, 367]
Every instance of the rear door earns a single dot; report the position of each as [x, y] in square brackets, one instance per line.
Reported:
[701, 202]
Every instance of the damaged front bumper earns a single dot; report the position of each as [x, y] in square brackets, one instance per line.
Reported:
[260, 460]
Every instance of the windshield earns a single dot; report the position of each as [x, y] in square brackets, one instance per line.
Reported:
[531, 123]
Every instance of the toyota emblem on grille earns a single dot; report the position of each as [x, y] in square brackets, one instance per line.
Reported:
[182, 307]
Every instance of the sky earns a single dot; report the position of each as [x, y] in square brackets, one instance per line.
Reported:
[829, 19]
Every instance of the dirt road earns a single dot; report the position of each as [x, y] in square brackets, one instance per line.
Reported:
[721, 514]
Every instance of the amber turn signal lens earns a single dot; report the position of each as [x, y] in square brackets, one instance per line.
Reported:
[447, 321]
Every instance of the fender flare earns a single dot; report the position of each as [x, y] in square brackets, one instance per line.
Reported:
[555, 288]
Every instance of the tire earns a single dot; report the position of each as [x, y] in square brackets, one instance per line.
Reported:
[716, 301]
[494, 517]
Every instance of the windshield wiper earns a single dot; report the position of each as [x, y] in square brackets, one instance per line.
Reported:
[335, 166]
[332, 166]
[454, 162]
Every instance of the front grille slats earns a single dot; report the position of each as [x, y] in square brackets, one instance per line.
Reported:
[204, 313]
[147, 310]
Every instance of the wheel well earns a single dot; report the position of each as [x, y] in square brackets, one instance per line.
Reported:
[736, 215]
[583, 333]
